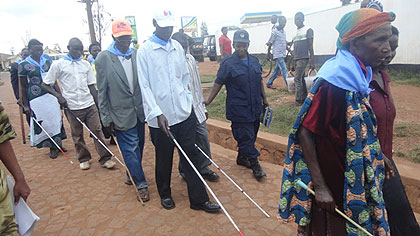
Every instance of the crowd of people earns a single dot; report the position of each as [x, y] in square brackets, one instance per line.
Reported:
[340, 145]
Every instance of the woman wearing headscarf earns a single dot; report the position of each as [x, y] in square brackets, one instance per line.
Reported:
[333, 147]
[401, 219]
[44, 106]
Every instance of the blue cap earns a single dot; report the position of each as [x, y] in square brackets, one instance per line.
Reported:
[241, 36]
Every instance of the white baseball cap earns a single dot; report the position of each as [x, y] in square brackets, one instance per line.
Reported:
[165, 18]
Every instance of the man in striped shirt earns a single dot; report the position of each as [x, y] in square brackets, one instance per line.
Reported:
[200, 111]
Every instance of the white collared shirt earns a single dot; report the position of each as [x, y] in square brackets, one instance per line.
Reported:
[164, 81]
[74, 77]
[197, 92]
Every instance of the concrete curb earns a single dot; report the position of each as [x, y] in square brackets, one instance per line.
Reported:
[273, 149]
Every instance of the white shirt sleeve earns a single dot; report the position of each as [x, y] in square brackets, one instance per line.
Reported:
[52, 74]
[151, 108]
[91, 79]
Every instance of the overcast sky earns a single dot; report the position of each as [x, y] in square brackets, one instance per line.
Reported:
[56, 21]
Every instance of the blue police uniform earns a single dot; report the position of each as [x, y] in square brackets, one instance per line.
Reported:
[244, 100]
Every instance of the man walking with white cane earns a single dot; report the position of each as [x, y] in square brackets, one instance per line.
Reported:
[120, 101]
[167, 100]
[78, 84]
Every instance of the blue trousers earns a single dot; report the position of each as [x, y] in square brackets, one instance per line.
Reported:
[280, 65]
[131, 143]
[245, 133]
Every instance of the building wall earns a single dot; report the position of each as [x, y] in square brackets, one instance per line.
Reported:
[323, 23]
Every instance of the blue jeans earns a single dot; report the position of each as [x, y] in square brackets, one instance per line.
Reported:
[131, 143]
[280, 65]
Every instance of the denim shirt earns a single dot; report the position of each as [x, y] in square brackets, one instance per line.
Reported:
[243, 85]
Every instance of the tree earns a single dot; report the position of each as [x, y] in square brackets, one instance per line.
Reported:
[26, 38]
[89, 4]
[204, 29]
[102, 20]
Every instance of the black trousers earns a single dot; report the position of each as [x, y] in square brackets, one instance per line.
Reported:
[401, 219]
[184, 133]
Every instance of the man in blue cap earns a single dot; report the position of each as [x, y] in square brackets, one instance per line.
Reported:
[241, 74]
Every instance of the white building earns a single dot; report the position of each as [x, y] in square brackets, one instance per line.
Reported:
[323, 23]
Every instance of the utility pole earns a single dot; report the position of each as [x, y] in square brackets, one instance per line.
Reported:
[90, 19]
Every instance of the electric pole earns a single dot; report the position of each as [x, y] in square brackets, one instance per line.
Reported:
[90, 19]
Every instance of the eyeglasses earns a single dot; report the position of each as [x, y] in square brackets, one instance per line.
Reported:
[124, 40]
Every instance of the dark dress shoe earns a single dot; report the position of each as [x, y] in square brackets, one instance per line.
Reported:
[208, 207]
[211, 176]
[257, 170]
[167, 203]
[53, 153]
[243, 161]
[128, 182]
[64, 149]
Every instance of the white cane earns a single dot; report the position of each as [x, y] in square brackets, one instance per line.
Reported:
[109, 151]
[204, 182]
[233, 182]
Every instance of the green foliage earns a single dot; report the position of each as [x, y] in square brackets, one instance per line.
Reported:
[208, 78]
[405, 77]
[407, 130]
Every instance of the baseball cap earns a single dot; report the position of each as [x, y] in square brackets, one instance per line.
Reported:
[164, 18]
[241, 36]
[121, 28]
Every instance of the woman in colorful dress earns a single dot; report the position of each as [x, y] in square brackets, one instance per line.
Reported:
[401, 218]
[333, 147]
[44, 106]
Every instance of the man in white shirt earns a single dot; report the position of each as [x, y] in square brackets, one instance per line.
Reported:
[201, 138]
[164, 81]
[78, 84]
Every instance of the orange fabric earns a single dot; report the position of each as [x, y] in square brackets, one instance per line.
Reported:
[372, 20]
[121, 28]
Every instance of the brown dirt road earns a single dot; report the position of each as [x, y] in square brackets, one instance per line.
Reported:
[97, 202]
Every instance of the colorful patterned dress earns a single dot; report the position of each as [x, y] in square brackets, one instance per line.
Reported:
[44, 105]
[363, 171]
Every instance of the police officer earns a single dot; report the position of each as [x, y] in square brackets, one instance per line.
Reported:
[241, 74]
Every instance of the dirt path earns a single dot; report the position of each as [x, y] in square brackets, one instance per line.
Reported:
[97, 202]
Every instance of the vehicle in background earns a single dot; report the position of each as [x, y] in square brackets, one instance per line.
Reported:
[196, 49]
[57, 56]
[209, 47]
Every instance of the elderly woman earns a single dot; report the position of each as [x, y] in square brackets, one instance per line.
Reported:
[400, 215]
[333, 146]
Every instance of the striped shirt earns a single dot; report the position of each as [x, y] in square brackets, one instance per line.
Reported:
[195, 87]
[278, 41]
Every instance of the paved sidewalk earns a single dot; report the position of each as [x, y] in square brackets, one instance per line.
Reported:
[97, 202]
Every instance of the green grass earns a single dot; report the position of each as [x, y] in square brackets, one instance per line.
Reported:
[217, 108]
[208, 78]
[404, 77]
[412, 155]
[284, 115]
[407, 130]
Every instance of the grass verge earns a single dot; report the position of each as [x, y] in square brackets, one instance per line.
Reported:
[283, 117]
[404, 77]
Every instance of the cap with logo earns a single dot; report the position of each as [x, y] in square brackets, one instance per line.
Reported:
[121, 28]
[241, 36]
[165, 18]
